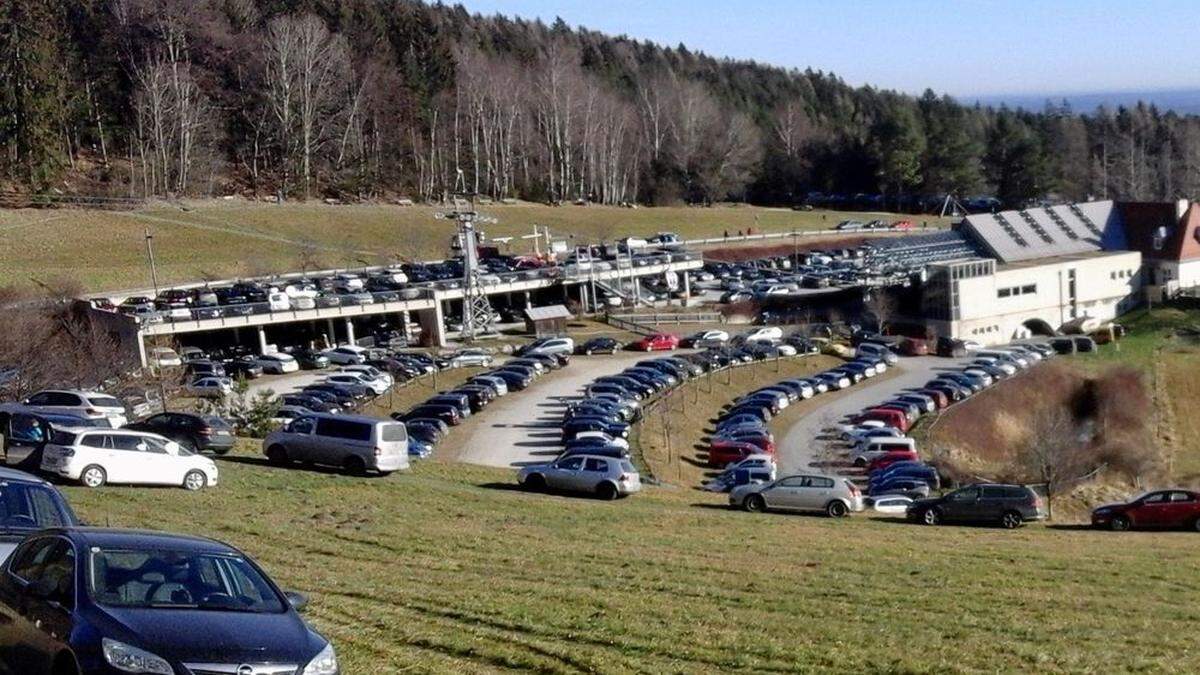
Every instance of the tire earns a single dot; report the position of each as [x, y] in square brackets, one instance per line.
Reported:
[931, 517]
[860, 462]
[1196, 525]
[220, 451]
[535, 482]
[1119, 524]
[1011, 520]
[755, 504]
[93, 476]
[607, 492]
[277, 455]
[194, 481]
[355, 466]
[836, 509]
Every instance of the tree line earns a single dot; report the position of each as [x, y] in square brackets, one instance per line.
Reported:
[366, 99]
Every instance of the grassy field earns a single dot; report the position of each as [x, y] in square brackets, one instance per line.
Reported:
[106, 250]
[450, 569]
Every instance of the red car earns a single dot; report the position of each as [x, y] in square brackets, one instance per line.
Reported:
[1159, 509]
[902, 225]
[890, 458]
[940, 399]
[657, 342]
[722, 452]
[889, 416]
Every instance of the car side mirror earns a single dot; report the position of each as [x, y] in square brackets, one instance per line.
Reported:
[297, 600]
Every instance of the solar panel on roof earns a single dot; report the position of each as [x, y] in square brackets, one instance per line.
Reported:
[1087, 222]
[1010, 230]
[1036, 226]
[1062, 224]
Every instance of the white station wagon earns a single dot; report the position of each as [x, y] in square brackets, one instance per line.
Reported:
[98, 456]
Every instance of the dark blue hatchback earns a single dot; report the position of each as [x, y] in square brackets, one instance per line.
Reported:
[90, 600]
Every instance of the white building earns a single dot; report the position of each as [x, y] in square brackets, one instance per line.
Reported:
[1039, 270]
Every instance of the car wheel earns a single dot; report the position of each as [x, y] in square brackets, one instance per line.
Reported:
[1119, 524]
[1196, 524]
[836, 509]
[93, 476]
[1011, 520]
[755, 504]
[931, 517]
[355, 466]
[607, 491]
[194, 480]
[535, 482]
[860, 462]
[220, 451]
[277, 455]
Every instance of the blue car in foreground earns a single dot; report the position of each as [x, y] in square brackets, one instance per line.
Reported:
[90, 600]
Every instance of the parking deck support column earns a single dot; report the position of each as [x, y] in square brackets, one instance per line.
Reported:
[332, 332]
[349, 331]
[262, 340]
[687, 289]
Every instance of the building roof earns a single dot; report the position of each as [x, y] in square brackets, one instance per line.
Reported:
[1043, 232]
[547, 312]
[1157, 230]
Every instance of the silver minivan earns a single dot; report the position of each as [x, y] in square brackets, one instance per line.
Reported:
[355, 443]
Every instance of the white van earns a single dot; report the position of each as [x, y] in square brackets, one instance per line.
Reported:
[279, 301]
[870, 448]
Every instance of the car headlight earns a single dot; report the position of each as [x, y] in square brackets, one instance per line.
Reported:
[133, 660]
[324, 663]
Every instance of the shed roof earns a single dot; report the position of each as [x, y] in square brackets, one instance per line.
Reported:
[547, 312]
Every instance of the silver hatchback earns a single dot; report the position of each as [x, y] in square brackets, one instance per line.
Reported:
[833, 495]
[605, 477]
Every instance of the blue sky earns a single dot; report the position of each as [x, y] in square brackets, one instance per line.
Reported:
[960, 47]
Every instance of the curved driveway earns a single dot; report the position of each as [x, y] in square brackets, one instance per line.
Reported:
[799, 446]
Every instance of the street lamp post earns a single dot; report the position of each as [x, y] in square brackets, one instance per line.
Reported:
[150, 256]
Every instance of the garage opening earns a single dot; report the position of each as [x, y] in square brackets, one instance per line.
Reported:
[1039, 327]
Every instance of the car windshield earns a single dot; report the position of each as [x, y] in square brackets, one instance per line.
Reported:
[25, 507]
[168, 579]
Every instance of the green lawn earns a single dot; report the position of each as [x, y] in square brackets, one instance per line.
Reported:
[450, 569]
[106, 250]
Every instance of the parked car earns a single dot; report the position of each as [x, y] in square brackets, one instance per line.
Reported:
[1152, 510]
[706, 338]
[346, 355]
[656, 342]
[734, 477]
[310, 359]
[210, 387]
[355, 443]
[605, 477]
[599, 345]
[550, 345]
[447, 413]
[134, 601]
[465, 358]
[833, 495]
[194, 432]
[278, 363]
[94, 457]
[725, 451]
[30, 504]
[88, 404]
[1008, 505]
[163, 357]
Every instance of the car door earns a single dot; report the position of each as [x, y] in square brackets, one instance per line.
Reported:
[32, 629]
[816, 492]
[299, 439]
[160, 466]
[1153, 510]
[564, 474]
[594, 471]
[126, 462]
[785, 493]
[1182, 512]
[961, 505]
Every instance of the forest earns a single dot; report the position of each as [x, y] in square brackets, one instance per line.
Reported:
[382, 99]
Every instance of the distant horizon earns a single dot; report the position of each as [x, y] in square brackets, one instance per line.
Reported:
[973, 49]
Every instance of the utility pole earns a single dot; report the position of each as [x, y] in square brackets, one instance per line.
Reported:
[477, 311]
[150, 256]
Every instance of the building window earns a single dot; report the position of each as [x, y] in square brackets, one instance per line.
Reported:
[1112, 275]
[1003, 292]
[1029, 290]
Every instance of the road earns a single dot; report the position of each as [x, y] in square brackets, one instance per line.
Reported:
[523, 427]
[798, 446]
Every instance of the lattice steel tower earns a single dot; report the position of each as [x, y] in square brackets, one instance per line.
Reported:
[477, 310]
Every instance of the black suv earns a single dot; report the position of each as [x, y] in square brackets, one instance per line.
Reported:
[194, 432]
[1007, 505]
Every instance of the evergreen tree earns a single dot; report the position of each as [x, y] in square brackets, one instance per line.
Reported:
[1015, 162]
[31, 89]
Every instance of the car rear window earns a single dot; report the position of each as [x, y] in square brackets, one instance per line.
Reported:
[104, 402]
[393, 433]
[64, 438]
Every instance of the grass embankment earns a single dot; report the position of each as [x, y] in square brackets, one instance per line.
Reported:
[671, 438]
[106, 250]
[449, 569]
